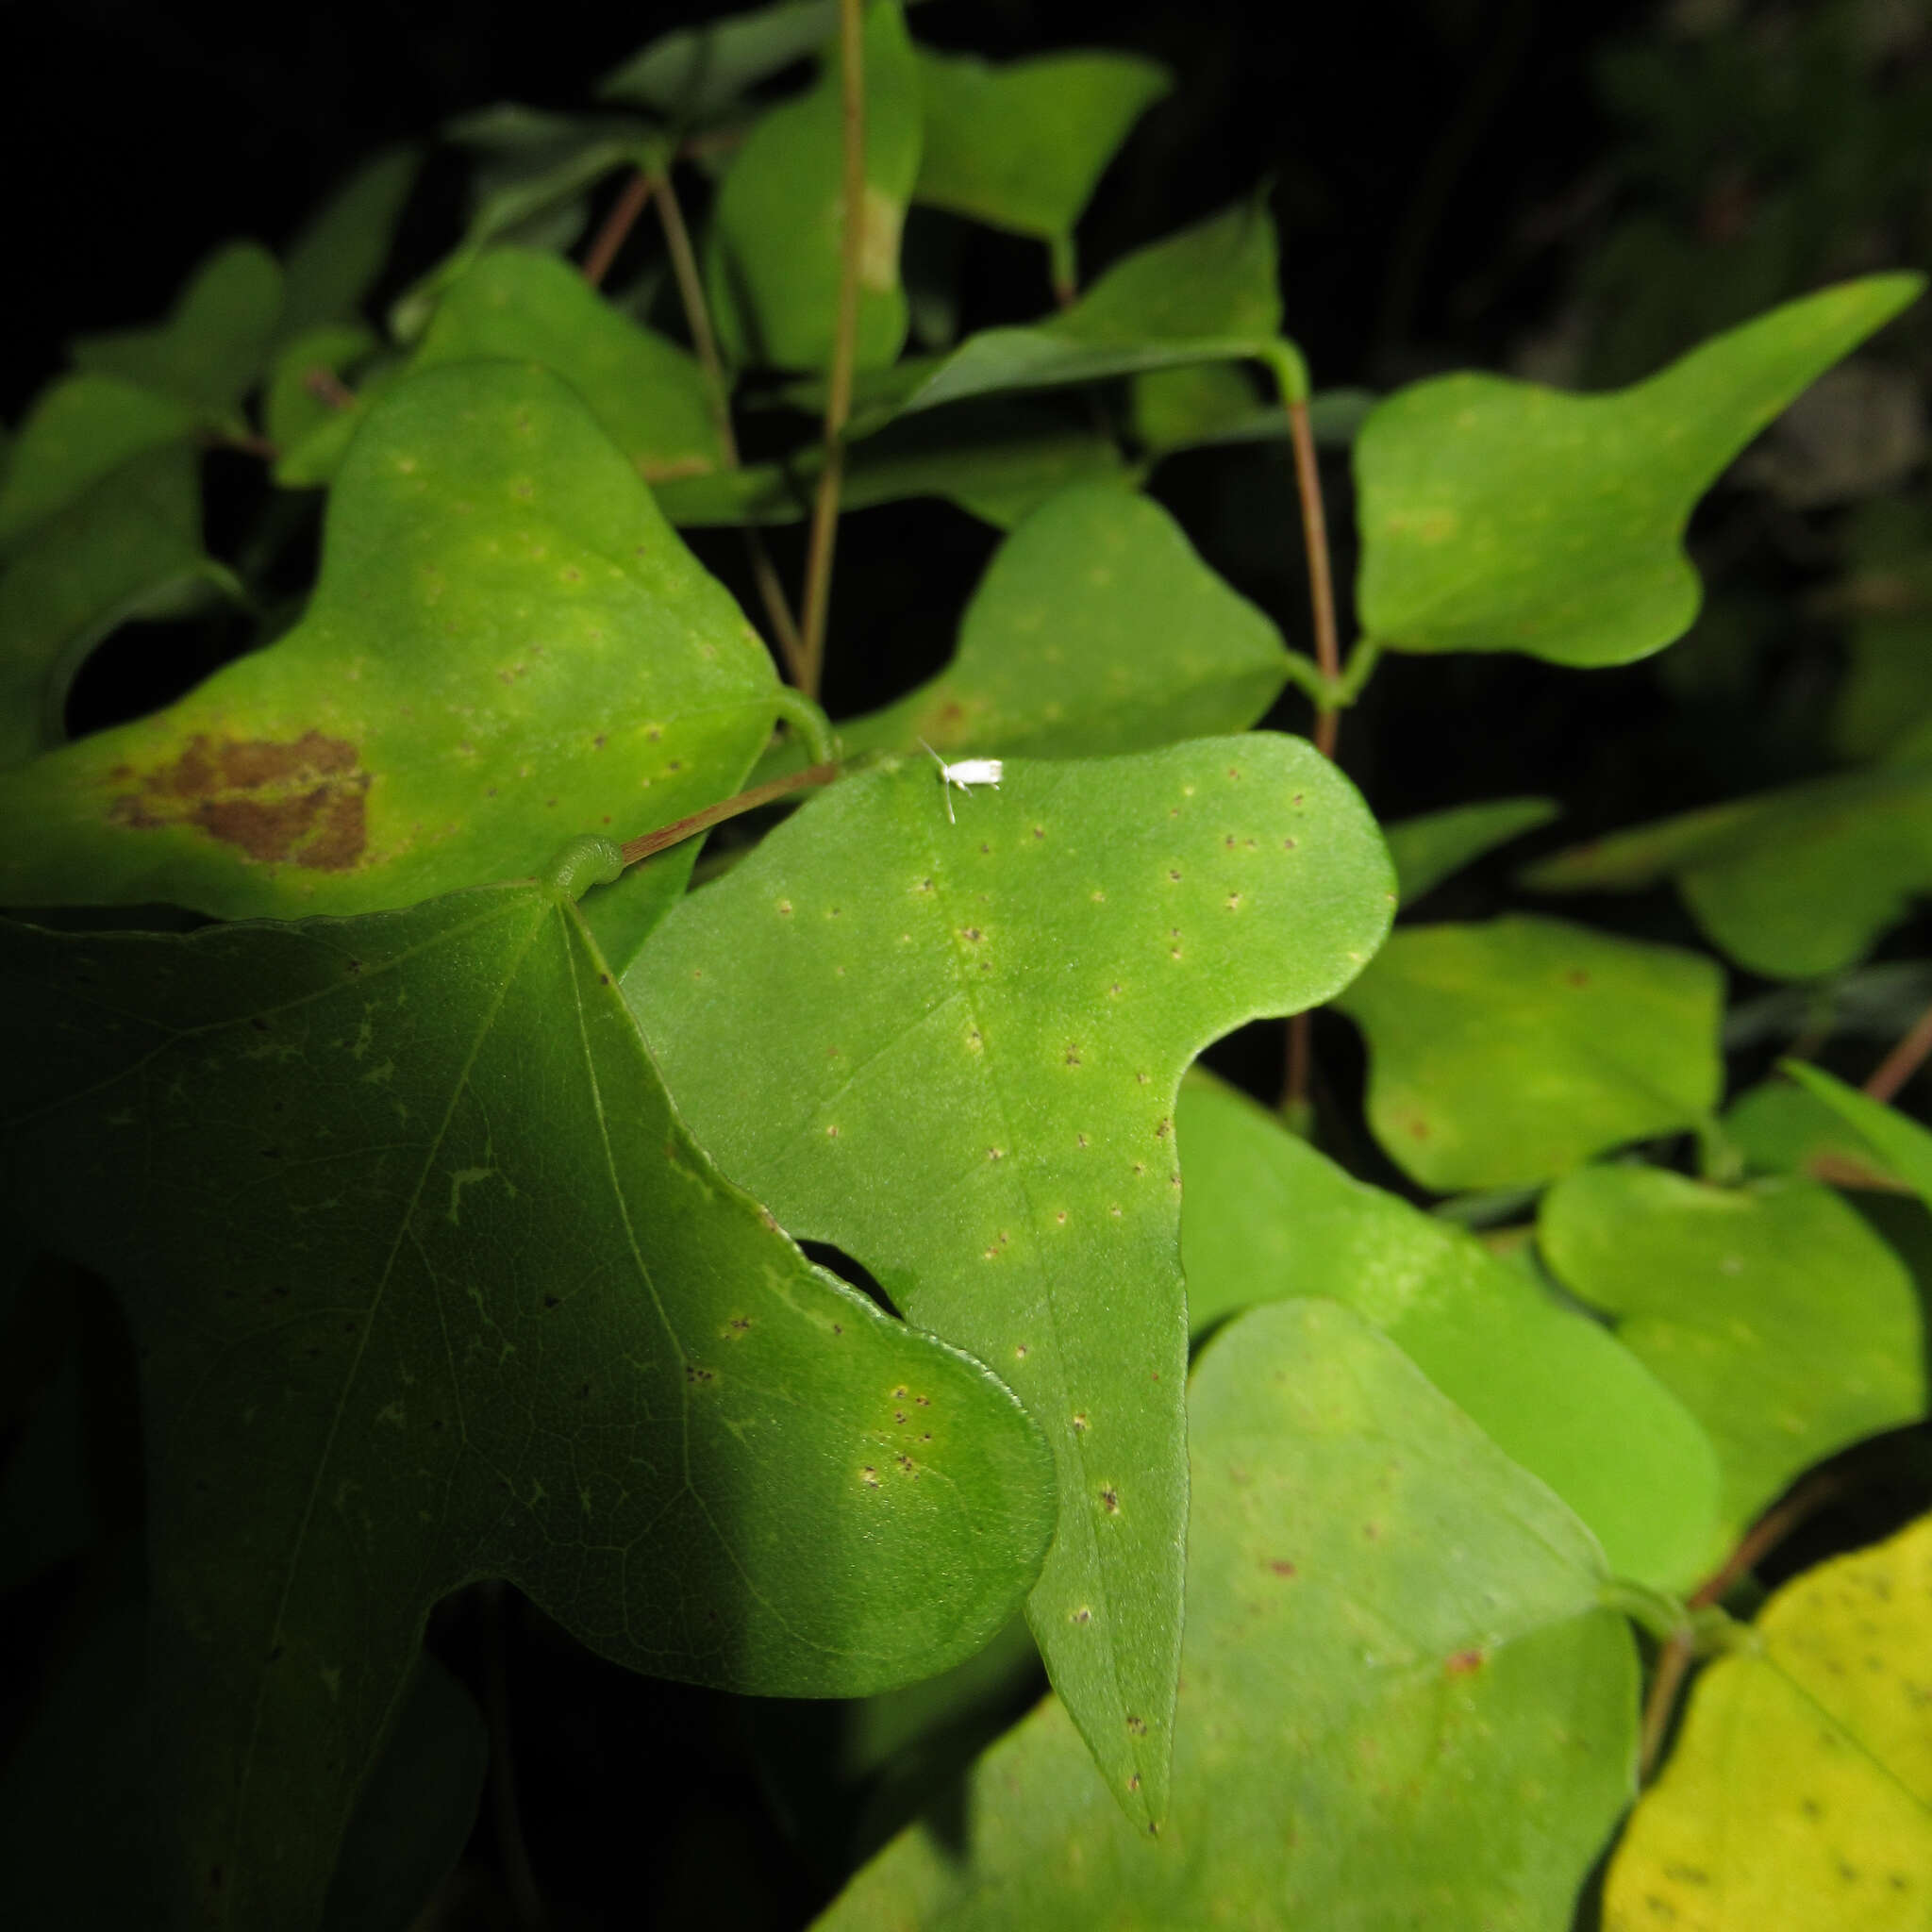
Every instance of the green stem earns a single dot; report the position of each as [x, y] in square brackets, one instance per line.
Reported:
[808, 723]
[704, 340]
[824, 520]
[1667, 1617]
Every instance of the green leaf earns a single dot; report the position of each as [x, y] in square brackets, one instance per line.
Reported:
[1214, 403]
[81, 430]
[773, 253]
[333, 262]
[507, 644]
[969, 1038]
[648, 396]
[1789, 1328]
[1887, 695]
[1429, 849]
[695, 72]
[1794, 883]
[214, 345]
[1800, 1791]
[299, 401]
[129, 548]
[537, 168]
[1780, 1127]
[1902, 1145]
[1265, 1217]
[1181, 409]
[1401, 1702]
[1022, 145]
[429, 1284]
[310, 461]
[1511, 1051]
[1498, 515]
[997, 460]
[1096, 629]
[1206, 294]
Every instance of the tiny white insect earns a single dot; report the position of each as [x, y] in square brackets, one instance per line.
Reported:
[966, 774]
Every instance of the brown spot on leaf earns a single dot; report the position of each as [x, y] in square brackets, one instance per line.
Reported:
[1461, 1662]
[299, 803]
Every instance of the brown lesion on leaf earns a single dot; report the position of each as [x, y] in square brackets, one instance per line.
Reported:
[301, 802]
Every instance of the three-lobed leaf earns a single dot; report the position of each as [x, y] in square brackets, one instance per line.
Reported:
[215, 342]
[968, 1038]
[1266, 1218]
[1498, 515]
[1800, 1789]
[1508, 1051]
[1787, 1327]
[428, 1284]
[1401, 1702]
[507, 644]
[1096, 629]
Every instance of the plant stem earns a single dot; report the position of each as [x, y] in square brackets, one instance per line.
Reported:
[697, 317]
[1675, 1659]
[328, 387]
[1660, 1702]
[617, 225]
[825, 518]
[1904, 1061]
[1307, 479]
[680, 829]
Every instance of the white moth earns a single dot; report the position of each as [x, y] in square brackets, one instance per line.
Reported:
[966, 774]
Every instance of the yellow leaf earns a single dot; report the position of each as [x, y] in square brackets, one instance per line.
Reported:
[1800, 1793]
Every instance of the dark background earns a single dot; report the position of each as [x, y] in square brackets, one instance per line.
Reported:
[1441, 172]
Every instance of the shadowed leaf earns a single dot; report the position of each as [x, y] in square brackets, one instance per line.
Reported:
[81, 430]
[1429, 849]
[998, 461]
[429, 1284]
[695, 73]
[129, 548]
[333, 262]
[215, 344]
[1794, 884]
